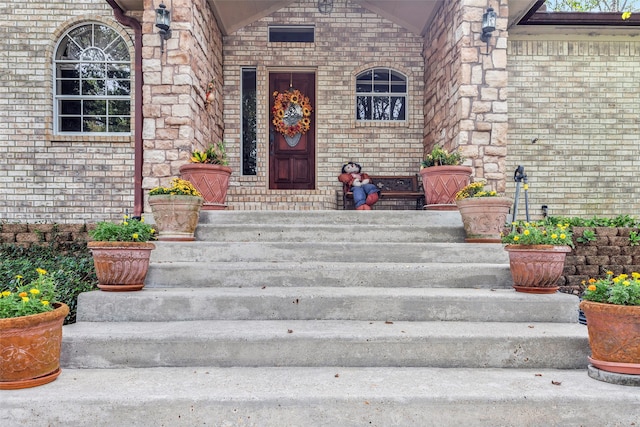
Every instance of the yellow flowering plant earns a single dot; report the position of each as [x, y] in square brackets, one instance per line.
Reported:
[619, 290]
[25, 299]
[179, 187]
[475, 189]
[441, 157]
[127, 230]
[539, 233]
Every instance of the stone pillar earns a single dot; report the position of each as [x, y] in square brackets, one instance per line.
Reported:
[177, 117]
[466, 95]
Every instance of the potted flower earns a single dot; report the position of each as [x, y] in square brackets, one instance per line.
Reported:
[176, 210]
[30, 332]
[209, 173]
[442, 177]
[484, 212]
[536, 254]
[612, 308]
[121, 253]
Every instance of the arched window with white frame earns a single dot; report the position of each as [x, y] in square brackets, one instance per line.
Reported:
[381, 95]
[92, 82]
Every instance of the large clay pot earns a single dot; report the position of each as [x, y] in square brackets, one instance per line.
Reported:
[176, 217]
[536, 268]
[614, 336]
[441, 183]
[210, 180]
[484, 218]
[121, 266]
[30, 348]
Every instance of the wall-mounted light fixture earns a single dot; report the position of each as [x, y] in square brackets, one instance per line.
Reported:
[488, 25]
[163, 22]
[325, 6]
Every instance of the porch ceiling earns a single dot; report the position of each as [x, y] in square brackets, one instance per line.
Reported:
[414, 15]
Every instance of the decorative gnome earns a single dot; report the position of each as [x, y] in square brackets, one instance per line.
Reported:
[365, 193]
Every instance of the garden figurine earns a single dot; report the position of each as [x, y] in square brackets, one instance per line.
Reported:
[365, 193]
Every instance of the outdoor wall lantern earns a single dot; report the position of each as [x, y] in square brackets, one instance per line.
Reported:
[163, 22]
[325, 6]
[488, 26]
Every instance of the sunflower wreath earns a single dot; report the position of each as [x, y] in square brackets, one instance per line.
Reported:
[291, 112]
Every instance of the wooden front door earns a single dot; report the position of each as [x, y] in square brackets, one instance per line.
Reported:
[292, 160]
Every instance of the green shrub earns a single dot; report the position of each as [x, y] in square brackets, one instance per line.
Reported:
[72, 269]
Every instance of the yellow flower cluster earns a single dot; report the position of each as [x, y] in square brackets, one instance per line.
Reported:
[475, 189]
[179, 187]
[620, 290]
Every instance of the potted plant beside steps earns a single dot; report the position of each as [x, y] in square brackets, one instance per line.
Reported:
[30, 332]
[442, 177]
[121, 253]
[209, 173]
[537, 251]
[612, 308]
[484, 213]
[176, 210]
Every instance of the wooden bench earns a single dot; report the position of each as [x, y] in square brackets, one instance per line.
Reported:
[391, 187]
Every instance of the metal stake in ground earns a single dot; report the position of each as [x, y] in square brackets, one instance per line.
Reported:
[520, 177]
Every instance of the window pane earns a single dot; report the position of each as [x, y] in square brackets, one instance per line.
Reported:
[93, 71]
[380, 108]
[94, 108]
[363, 108]
[70, 107]
[93, 87]
[364, 82]
[249, 123]
[119, 108]
[381, 76]
[70, 124]
[118, 87]
[117, 51]
[104, 36]
[118, 71]
[94, 124]
[69, 87]
[398, 111]
[119, 124]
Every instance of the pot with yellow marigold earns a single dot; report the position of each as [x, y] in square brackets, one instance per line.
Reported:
[612, 308]
[537, 251]
[176, 210]
[30, 332]
[483, 211]
[121, 253]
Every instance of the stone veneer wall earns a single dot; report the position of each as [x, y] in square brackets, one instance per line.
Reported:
[62, 235]
[580, 99]
[611, 251]
[44, 176]
[466, 88]
[347, 41]
[177, 119]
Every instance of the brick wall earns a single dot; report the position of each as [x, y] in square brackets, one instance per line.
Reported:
[42, 176]
[611, 251]
[581, 100]
[347, 41]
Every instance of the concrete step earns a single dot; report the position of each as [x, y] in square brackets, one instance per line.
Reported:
[313, 273]
[324, 396]
[315, 343]
[346, 252]
[356, 303]
[328, 233]
[416, 219]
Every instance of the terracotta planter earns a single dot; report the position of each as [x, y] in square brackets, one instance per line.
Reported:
[441, 183]
[121, 266]
[176, 217]
[30, 348]
[614, 336]
[484, 218]
[536, 268]
[210, 180]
